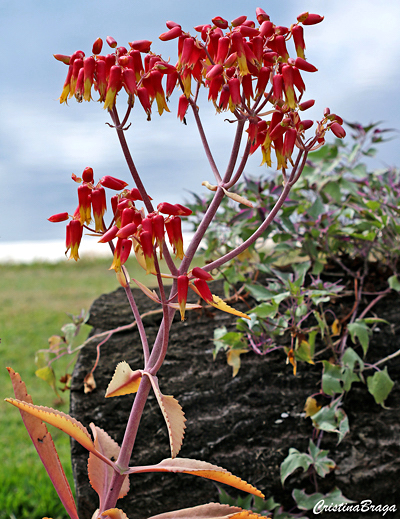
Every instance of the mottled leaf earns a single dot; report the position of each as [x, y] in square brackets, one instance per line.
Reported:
[44, 445]
[199, 468]
[124, 381]
[173, 415]
[311, 407]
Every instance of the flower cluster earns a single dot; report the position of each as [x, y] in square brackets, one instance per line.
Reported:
[245, 66]
[130, 226]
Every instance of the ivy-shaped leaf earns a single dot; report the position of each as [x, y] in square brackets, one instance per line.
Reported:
[309, 501]
[380, 385]
[362, 332]
[198, 468]
[124, 381]
[322, 464]
[294, 461]
[173, 415]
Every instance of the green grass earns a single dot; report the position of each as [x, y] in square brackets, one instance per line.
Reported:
[34, 301]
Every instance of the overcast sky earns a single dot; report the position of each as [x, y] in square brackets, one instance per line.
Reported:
[356, 49]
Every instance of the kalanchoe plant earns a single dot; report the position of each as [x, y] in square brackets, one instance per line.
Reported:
[247, 70]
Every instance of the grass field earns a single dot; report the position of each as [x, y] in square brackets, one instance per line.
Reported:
[34, 300]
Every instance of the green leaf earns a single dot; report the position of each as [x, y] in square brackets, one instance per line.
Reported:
[316, 209]
[260, 293]
[331, 419]
[361, 331]
[394, 283]
[294, 461]
[322, 464]
[265, 310]
[380, 385]
[332, 379]
[350, 358]
[308, 502]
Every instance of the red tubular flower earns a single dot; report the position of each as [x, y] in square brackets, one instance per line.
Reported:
[159, 231]
[155, 78]
[224, 98]
[113, 87]
[222, 50]
[89, 65]
[59, 217]
[182, 107]
[112, 183]
[101, 79]
[121, 254]
[79, 88]
[262, 81]
[277, 85]
[287, 74]
[187, 49]
[247, 86]
[198, 272]
[127, 216]
[298, 80]
[280, 47]
[144, 99]
[215, 86]
[98, 200]
[84, 195]
[280, 159]
[147, 225]
[174, 231]
[238, 47]
[76, 66]
[129, 82]
[298, 38]
[203, 290]
[234, 90]
[289, 142]
[258, 44]
[74, 236]
[66, 87]
[183, 285]
[172, 80]
[146, 241]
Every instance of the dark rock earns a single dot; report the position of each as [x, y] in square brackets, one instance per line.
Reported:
[237, 423]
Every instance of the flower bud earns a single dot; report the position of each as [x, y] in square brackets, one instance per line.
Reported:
[261, 16]
[173, 33]
[309, 18]
[87, 175]
[97, 46]
[113, 183]
[59, 217]
[141, 45]
[238, 21]
[198, 272]
[266, 29]
[109, 235]
[338, 130]
[302, 64]
[306, 104]
[111, 42]
[127, 230]
[220, 22]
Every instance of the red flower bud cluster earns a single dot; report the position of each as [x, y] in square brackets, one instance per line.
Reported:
[130, 226]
